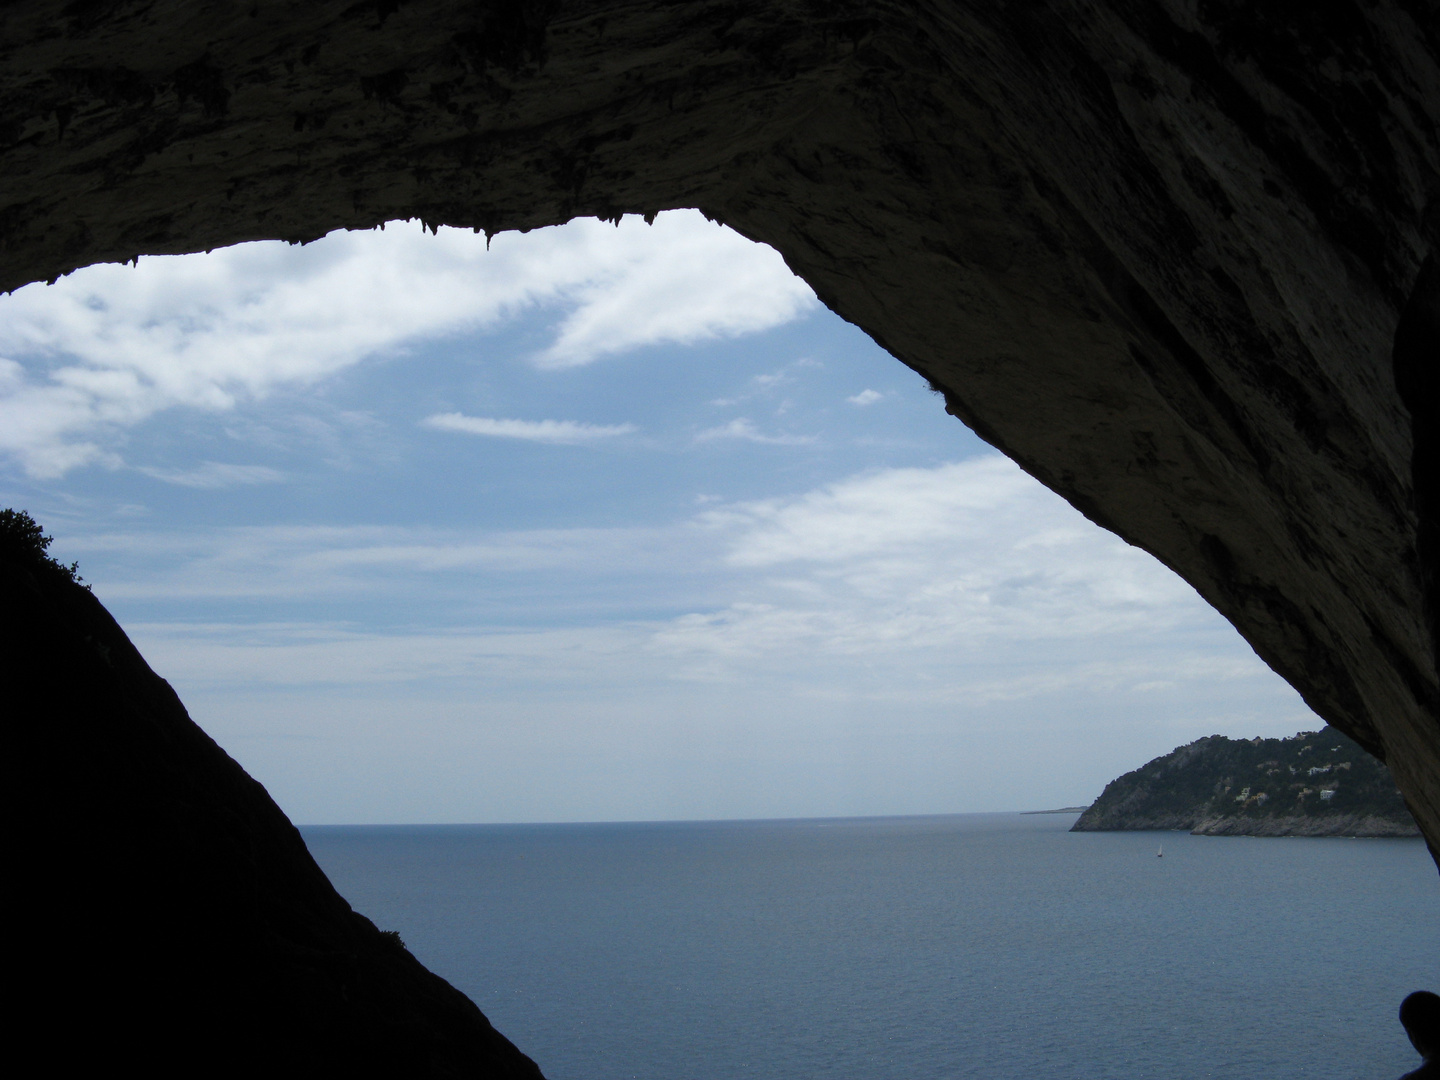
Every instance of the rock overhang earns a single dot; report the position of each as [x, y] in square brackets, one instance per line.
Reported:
[1167, 258]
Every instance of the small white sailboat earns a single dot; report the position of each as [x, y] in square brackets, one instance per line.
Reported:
[1161, 853]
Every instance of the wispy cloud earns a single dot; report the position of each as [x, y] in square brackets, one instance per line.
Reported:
[766, 383]
[215, 474]
[681, 283]
[110, 346]
[961, 610]
[742, 428]
[968, 558]
[545, 431]
[973, 558]
[865, 397]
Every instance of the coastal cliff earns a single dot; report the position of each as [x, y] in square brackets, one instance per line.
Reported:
[163, 909]
[1316, 783]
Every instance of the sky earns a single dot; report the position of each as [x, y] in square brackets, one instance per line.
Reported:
[594, 523]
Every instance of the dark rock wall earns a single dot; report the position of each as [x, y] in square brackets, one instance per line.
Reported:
[164, 915]
[1156, 251]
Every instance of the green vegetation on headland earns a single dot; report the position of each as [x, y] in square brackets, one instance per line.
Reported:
[1316, 783]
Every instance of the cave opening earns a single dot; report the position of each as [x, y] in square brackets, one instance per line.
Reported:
[1168, 261]
[1068, 655]
[392, 507]
[1176, 262]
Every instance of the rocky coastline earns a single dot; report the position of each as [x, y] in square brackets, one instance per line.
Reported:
[1317, 783]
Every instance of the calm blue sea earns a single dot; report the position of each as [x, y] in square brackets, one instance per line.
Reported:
[995, 946]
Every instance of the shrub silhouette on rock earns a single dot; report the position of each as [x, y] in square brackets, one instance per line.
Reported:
[22, 540]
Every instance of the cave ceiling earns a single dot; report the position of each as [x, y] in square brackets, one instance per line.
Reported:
[1169, 256]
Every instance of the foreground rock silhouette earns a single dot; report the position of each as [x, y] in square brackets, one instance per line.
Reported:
[1176, 260]
[165, 914]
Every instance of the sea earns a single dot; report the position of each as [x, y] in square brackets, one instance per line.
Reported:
[997, 946]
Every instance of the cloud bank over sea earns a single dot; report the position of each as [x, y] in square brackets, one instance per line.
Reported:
[599, 523]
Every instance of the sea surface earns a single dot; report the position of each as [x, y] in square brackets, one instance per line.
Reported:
[999, 946]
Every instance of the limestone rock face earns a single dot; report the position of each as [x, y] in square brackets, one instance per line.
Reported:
[1175, 259]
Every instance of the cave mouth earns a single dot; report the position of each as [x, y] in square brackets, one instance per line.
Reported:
[1168, 262]
[406, 479]
[1177, 265]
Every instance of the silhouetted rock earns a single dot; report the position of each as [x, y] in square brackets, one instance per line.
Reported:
[165, 916]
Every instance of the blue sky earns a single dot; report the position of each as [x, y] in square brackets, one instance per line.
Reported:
[597, 524]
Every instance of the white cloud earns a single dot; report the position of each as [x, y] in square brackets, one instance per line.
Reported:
[339, 655]
[986, 504]
[546, 431]
[967, 559]
[741, 428]
[929, 568]
[765, 384]
[375, 565]
[215, 474]
[681, 283]
[960, 612]
[865, 397]
[109, 346]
